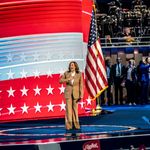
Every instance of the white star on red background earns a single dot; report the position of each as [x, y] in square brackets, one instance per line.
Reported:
[62, 89]
[37, 90]
[82, 104]
[63, 106]
[11, 109]
[11, 92]
[50, 107]
[0, 110]
[88, 101]
[24, 91]
[24, 108]
[37, 108]
[49, 90]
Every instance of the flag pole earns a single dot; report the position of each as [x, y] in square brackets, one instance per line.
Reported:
[98, 107]
[95, 66]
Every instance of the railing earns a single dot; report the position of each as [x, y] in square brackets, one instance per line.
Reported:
[122, 42]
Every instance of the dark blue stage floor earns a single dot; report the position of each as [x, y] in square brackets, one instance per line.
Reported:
[117, 127]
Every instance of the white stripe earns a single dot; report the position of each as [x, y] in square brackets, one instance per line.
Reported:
[91, 74]
[94, 50]
[41, 51]
[91, 88]
[99, 48]
[32, 36]
[100, 81]
[99, 61]
[103, 70]
[93, 63]
[85, 12]
[100, 66]
[33, 63]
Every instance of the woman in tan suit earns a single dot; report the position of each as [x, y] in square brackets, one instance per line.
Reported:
[73, 93]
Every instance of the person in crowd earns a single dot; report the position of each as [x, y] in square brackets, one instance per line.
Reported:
[118, 75]
[109, 97]
[144, 67]
[137, 2]
[131, 83]
[138, 72]
[108, 40]
[73, 93]
[148, 61]
[127, 36]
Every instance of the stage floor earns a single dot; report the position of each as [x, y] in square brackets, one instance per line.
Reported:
[117, 122]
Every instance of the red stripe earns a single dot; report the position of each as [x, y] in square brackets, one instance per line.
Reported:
[91, 51]
[30, 1]
[100, 71]
[40, 17]
[91, 66]
[90, 79]
[99, 54]
[101, 75]
[86, 18]
[98, 67]
[89, 90]
[102, 62]
[31, 99]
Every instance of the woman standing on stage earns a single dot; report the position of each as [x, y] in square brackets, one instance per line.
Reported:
[73, 93]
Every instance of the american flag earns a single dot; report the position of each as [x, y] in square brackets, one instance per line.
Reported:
[38, 39]
[96, 79]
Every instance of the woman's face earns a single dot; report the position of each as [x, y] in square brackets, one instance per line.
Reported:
[72, 67]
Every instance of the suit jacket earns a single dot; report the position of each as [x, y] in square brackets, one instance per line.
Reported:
[123, 71]
[75, 89]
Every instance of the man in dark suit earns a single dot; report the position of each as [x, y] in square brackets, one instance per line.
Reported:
[118, 75]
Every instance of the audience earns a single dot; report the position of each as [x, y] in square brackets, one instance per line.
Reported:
[137, 82]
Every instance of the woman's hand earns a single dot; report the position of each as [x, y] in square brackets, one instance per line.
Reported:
[70, 78]
[79, 99]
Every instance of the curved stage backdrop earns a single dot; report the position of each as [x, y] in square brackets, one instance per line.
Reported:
[38, 39]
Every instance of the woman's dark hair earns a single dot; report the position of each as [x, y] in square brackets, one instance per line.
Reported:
[76, 66]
